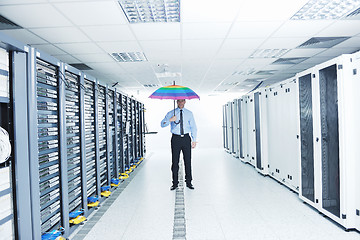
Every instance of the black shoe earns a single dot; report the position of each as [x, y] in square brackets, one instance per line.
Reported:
[173, 187]
[189, 185]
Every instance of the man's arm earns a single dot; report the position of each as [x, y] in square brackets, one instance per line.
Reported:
[193, 130]
[168, 118]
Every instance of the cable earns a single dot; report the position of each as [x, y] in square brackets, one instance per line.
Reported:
[5, 146]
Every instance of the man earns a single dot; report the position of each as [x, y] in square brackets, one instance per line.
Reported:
[182, 123]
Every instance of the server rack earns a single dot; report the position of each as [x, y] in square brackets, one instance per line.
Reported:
[251, 137]
[111, 163]
[90, 137]
[142, 123]
[103, 135]
[225, 137]
[6, 167]
[335, 128]
[73, 140]
[47, 163]
[235, 121]
[119, 131]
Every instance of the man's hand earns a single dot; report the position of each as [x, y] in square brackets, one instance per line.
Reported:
[173, 119]
[193, 144]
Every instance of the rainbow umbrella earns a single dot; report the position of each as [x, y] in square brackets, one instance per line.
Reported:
[174, 92]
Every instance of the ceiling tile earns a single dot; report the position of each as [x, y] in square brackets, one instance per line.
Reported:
[253, 29]
[11, 2]
[34, 15]
[204, 30]
[281, 43]
[302, 52]
[259, 10]
[24, 36]
[341, 28]
[67, 58]
[234, 54]
[61, 34]
[109, 33]
[98, 57]
[123, 46]
[79, 48]
[161, 46]
[235, 44]
[201, 45]
[353, 42]
[335, 52]
[156, 31]
[209, 11]
[164, 57]
[93, 13]
[293, 28]
[48, 48]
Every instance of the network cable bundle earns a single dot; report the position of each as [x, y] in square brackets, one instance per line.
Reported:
[5, 147]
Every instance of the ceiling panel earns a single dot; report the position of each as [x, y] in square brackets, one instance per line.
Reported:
[205, 30]
[34, 15]
[161, 46]
[283, 43]
[98, 57]
[244, 43]
[209, 11]
[258, 29]
[303, 52]
[109, 33]
[93, 13]
[342, 28]
[201, 45]
[24, 36]
[11, 2]
[61, 34]
[49, 49]
[123, 46]
[156, 31]
[259, 10]
[353, 42]
[164, 57]
[234, 54]
[67, 58]
[334, 52]
[293, 28]
[79, 48]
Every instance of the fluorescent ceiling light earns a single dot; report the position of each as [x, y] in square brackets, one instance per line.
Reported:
[230, 84]
[249, 71]
[268, 53]
[325, 9]
[129, 57]
[143, 11]
[168, 74]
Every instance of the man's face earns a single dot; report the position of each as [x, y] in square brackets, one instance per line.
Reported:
[181, 103]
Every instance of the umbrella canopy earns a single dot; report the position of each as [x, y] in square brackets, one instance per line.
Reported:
[174, 92]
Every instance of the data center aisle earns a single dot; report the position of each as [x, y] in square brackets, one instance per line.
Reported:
[230, 201]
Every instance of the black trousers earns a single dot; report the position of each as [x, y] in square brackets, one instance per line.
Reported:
[179, 144]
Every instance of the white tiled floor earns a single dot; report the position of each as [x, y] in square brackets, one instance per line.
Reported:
[230, 201]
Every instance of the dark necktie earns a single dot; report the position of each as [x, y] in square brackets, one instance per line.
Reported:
[181, 123]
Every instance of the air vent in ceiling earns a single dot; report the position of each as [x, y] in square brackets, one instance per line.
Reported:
[322, 42]
[248, 71]
[6, 24]
[129, 57]
[268, 53]
[354, 15]
[287, 61]
[144, 11]
[253, 80]
[325, 9]
[81, 66]
[150, 85]
[229, 84]
[266, 72]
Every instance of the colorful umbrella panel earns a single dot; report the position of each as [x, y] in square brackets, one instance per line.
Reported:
[174, 92]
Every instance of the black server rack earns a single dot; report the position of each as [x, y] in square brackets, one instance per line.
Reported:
[125, 135]
[112, 172]
[90, 146]
[47, 79]
[102, 135]
[73, 142]
[119, 132]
